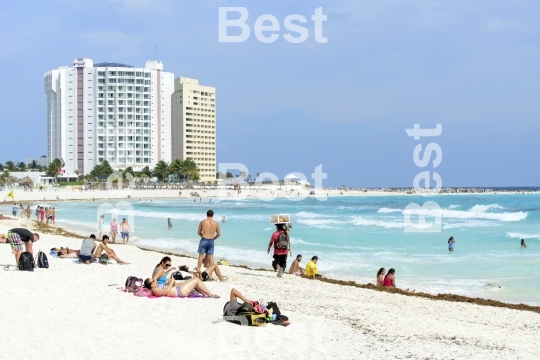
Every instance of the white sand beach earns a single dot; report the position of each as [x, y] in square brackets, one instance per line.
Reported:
[76, 311]
[268, 192]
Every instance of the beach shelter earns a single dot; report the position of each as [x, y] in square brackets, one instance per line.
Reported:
[27, 181]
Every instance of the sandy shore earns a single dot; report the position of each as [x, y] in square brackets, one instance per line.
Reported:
[63, 194]
[75, 311]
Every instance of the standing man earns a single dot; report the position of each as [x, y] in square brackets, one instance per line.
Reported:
[209, 232]
[124, 231]
[282, 247]
[14, 209]
[18, 236]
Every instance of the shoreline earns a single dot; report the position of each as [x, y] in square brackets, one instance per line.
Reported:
[57, 230]
[101, 195]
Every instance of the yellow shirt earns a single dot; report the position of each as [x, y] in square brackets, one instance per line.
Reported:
[311, 268]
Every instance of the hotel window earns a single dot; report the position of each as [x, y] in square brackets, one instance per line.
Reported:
[112, 73]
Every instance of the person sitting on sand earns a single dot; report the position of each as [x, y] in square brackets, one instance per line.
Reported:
[162, 270]
[178, 290]
[206, 275]
[87, 249]
[523, 245]
[311, 268]
[295, 268]
[390, 280]
[380, 276]
[104, 249]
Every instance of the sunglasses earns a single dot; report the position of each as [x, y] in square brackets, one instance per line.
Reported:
[167, 265]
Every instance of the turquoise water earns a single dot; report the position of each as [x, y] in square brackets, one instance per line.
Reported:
[355, 236]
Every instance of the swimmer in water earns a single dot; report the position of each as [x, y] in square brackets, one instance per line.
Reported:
[169, 223]
[223, 219]
[451, 242]
[523, 245]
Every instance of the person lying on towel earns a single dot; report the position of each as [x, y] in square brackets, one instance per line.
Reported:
[183, 289]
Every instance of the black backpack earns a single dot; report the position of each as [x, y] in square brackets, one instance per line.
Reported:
[42, 261]
[26, 262]
[282, 242]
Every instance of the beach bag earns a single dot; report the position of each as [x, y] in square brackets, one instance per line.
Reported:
[132, 284]
[177, 275]
[252, 319]
[282, 242]
[26, 262]
[143, 292]
[42, 261]
[245, 315]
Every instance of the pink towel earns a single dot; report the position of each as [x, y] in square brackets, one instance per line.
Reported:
[182, 297]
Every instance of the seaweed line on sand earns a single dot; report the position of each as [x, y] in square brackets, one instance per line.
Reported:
[53, 230]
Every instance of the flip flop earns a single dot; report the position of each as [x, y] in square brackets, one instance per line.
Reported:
[214, 297]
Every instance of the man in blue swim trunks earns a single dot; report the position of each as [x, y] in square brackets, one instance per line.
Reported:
[124, 231]
[209, 232]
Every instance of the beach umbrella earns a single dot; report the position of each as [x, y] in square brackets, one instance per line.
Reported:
[11, 195]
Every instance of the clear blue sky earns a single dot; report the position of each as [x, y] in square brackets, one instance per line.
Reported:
[473, 66]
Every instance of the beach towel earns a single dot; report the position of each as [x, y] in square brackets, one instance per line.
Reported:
[191, 296]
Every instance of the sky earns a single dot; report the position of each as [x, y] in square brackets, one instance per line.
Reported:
[471, 66]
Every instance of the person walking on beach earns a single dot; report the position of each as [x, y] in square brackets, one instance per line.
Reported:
[209, 231]
[523, 245]
[169, 223]
[114, 230]
[101, 225]
[37, 213]
[451, 242]
[41, 214]
[282, 247]
[17, 237]
[53, 213]
[125, 229]
[14, 209]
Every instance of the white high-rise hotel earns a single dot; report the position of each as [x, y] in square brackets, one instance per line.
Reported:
[121, 114]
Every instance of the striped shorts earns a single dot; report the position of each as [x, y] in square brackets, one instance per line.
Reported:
[15, 241]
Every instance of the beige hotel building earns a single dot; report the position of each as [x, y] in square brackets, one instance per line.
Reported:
[193, 125]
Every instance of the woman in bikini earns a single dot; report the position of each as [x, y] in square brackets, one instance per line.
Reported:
[390, 280]
[178, 290]
[380, 276]
[162, 270]
[114, 230]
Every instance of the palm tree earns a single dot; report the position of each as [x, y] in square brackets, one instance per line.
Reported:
[53, 170]
[10, 166]
[161, 170]
[176, 167]
[21, 166]
[34, 164]
[190, 170]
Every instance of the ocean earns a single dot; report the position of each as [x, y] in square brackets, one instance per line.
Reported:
[355, 236]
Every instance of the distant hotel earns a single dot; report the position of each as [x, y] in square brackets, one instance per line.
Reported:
[123, 114]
